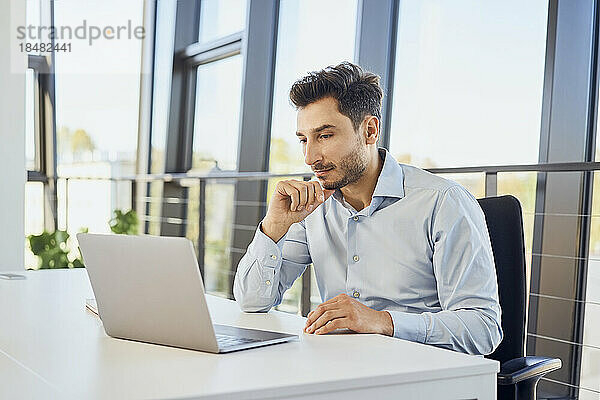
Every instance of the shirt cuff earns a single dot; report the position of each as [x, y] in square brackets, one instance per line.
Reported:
[268, 257]
[265, 250]
[409, 326]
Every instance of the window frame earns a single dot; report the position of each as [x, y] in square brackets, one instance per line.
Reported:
[45, 125]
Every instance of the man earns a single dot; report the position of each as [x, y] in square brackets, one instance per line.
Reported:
[396, 250]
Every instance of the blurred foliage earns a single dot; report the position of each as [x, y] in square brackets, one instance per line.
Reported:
[77, 142]
[52, 250]
[124, 223]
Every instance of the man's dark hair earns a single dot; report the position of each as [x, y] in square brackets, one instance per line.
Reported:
[357, 92]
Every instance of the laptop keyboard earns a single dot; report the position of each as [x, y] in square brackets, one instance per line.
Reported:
[229, 341]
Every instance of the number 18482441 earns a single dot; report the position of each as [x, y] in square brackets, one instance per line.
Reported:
[44, 47]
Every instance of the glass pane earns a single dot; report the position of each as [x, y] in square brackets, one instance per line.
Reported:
[83, 195]
[216, 123]
[590, 374]
[30, 108]
[468, 82]
[97, 111]
[220, 18]
[161, 96]
[218, 233]
[593, 278]
[98, 89]
[312, 35]
[291, 298]
[34, 218]
[473, 182]
[590, 357]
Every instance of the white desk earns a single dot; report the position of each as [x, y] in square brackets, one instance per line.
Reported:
[49, 343]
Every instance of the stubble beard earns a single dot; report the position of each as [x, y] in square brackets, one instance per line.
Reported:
[353, 167]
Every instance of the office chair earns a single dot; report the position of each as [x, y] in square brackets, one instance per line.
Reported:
[519, 375]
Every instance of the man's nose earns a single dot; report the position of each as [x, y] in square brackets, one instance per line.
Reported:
[312, 153]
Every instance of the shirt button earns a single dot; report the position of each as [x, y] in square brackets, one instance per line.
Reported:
[356, 294]
[355, 218]
[273, 256]
[268, 282]
[356, 258]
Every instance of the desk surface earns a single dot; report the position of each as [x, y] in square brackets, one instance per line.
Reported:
[48, 337]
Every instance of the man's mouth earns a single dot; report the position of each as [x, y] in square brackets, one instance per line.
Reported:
[322, 172]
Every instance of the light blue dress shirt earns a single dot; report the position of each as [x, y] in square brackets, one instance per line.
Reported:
[420, 251]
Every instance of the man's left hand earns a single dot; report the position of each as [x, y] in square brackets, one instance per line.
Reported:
[344, 312]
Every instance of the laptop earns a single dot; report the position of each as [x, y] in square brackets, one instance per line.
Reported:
[149, 289]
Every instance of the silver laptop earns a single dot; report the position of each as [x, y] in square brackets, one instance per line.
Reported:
[149, 289]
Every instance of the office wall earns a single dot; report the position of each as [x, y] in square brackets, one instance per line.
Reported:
[12, 141]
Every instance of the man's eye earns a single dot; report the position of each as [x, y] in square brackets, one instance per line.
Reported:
[302, 140]
[325, 136]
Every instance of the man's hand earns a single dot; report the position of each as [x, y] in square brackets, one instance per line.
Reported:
[345, 312]
[292, 202]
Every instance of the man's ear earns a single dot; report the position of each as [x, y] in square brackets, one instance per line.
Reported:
[371, 129]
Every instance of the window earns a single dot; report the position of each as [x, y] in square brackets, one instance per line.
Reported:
[97, 110]
[590, 359]
[220, 18]
[161, 97]
[216, 130]
[36, 13]
[163, 66]
[468, 82]
[216, 122]
[468, 91]
[312, 35]
[36, 97]
[215, 148]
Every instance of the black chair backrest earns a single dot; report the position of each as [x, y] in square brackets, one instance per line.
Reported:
[505, 226]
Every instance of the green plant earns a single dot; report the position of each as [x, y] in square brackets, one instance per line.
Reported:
[52, 250]
[124, 223]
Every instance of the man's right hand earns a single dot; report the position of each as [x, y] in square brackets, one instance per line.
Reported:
[292, 202]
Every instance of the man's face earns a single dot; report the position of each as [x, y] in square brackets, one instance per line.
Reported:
[332, 148]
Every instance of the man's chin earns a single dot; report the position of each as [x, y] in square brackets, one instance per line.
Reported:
[331, 185]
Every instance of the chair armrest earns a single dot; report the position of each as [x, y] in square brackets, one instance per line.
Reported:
[520, 369]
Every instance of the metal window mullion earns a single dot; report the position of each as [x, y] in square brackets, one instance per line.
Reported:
[176, 159]
[491, 184]
[378, 23]
[39, 142]
[45, 123]
[569, 85]
[39, 65]
[259, 45]
[49, 133]
[146, 102]
[586, 197]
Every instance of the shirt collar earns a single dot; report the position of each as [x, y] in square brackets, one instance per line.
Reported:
[390, 182]
[391, 179]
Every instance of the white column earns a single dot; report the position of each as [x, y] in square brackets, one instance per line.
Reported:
[12, 138]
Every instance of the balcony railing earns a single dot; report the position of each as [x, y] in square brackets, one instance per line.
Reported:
[140, 199]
